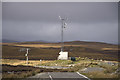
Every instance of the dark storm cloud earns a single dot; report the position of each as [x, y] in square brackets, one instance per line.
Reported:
[39, 21]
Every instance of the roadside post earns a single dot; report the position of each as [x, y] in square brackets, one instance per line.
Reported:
[40, 61]
[26, 55]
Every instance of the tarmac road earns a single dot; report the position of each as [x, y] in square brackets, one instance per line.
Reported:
[59, 76]
[53, 67]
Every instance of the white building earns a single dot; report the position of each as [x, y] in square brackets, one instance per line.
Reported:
[63, 56]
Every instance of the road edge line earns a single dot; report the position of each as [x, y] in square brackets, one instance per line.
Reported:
[50, 76]
[83, 75]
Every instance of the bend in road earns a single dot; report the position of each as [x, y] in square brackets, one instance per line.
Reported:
[60, 76]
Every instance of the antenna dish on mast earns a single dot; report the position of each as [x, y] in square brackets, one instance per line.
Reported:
[64, 24]
[60, 17]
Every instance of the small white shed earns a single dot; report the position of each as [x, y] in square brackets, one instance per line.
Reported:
[63, 56]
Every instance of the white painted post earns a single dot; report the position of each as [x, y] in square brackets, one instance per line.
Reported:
[27, 56]
[40, 61]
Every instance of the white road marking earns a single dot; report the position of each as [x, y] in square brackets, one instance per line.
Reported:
[83, 75]
[50, 76]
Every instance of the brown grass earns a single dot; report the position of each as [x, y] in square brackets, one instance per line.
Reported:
[46, 45]
[23, 62]
[110, 49]
[100, 74]
[21, 71]
[58, 45]
[49, 51]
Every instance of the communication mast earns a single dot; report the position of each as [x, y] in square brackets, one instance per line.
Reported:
[63, 55]
[64, 24]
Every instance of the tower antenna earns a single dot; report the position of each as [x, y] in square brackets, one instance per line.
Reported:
[64, 24]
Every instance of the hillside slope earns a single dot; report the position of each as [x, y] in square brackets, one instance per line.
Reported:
[75, 49]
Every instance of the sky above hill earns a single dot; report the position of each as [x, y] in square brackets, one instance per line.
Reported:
[87, 21]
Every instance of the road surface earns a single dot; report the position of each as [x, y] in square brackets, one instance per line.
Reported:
[60, 76]
[53, 67]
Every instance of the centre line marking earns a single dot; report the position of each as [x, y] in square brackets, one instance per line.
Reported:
[50, 76]
[83, 75]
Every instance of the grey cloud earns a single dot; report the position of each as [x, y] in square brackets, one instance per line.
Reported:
[92, 21]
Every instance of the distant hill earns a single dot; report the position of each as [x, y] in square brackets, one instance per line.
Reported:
[34, 42]
[94, 50]
[46, 42]
[8, 41]
[24, 42]
[86, 43]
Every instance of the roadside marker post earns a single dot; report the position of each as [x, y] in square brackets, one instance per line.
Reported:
[40, 61]
[26, 55]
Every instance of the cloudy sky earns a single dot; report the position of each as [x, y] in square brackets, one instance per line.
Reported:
[87, 21]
